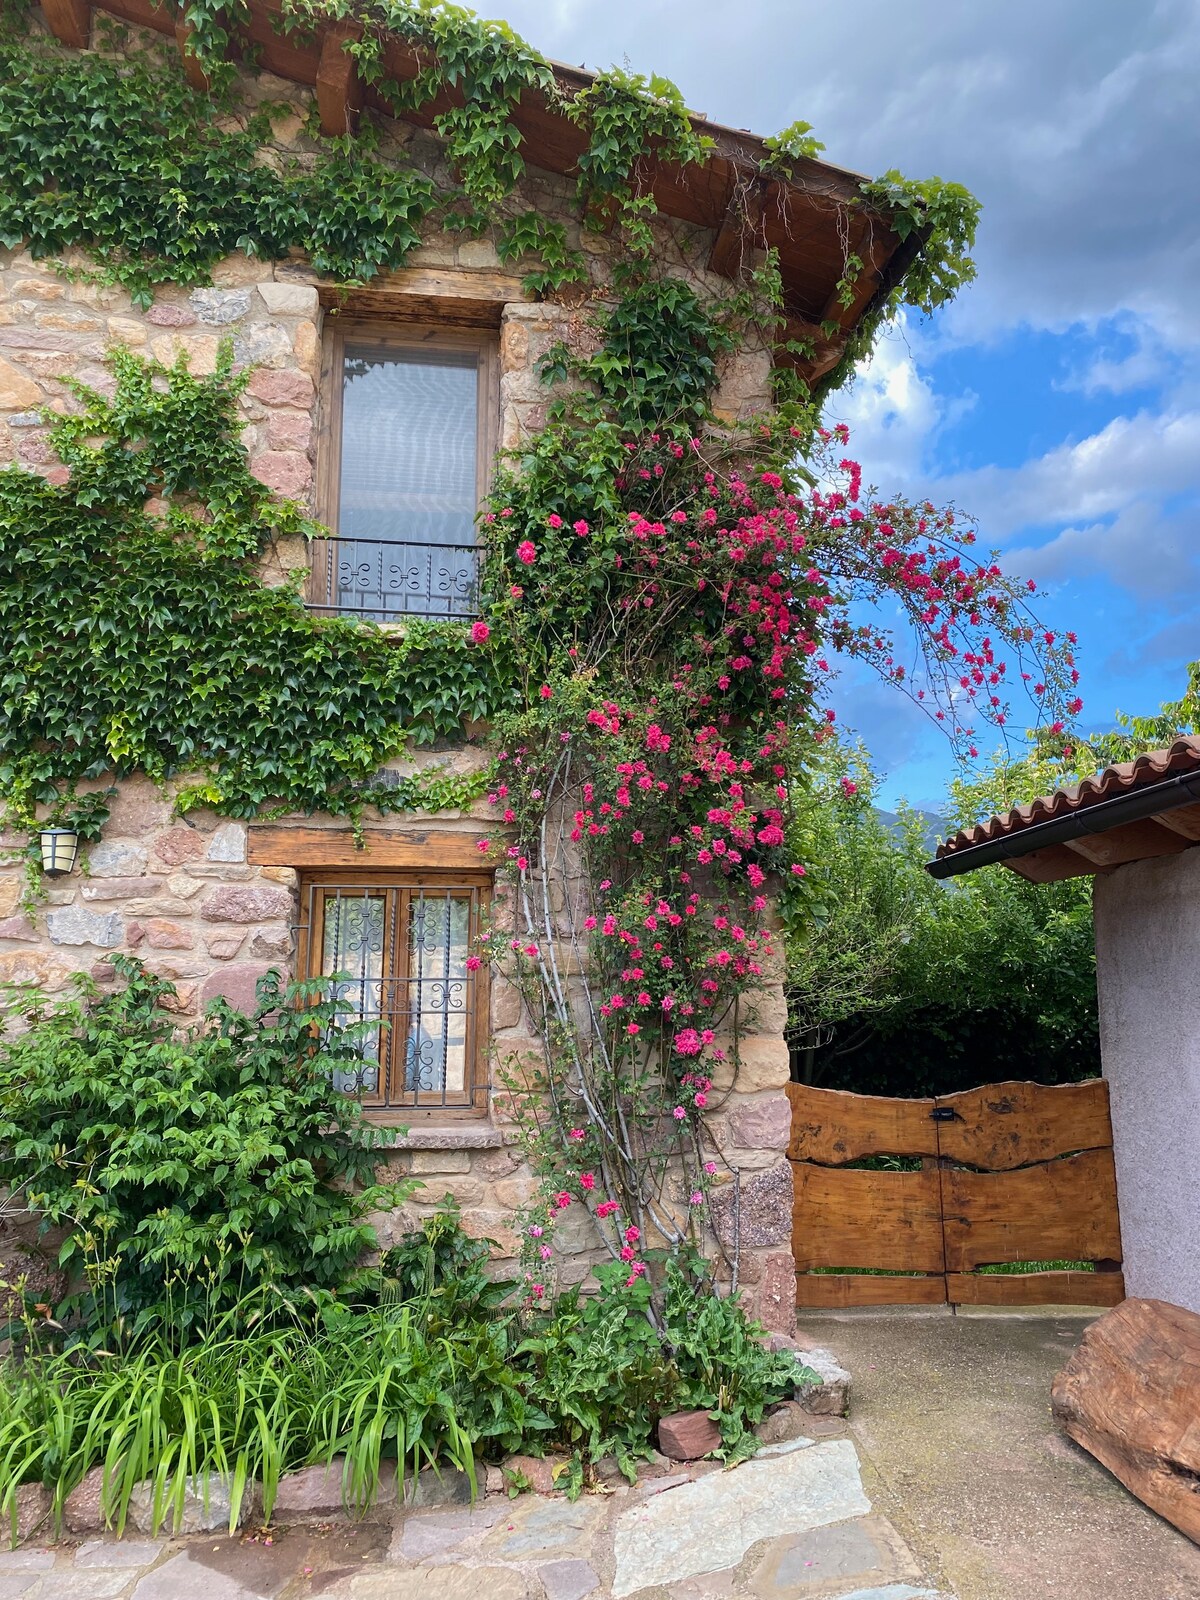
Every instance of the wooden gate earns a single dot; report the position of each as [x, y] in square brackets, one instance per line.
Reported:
[1010, 1172]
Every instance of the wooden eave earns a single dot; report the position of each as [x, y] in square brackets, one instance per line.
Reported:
[812, 220]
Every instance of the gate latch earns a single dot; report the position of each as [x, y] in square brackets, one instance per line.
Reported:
[944, 1114]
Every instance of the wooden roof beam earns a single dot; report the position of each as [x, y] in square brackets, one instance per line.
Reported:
[1133, 841]
[192, 70]
[740, 229]
[1051, 865]
[70, 21]
[339, 88]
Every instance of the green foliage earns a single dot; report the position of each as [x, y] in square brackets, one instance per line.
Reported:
[945, 216]
[188, 1174]
[630, 117]
[146, 641]
[899, 984]
[445, 1369]
[658, 363]
[795, 143]
[123, 160]
[531, 234]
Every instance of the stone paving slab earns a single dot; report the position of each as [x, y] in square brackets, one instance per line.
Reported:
[793, 1523]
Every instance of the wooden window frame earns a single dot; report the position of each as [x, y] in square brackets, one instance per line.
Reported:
[386, 335]
[393, 1108]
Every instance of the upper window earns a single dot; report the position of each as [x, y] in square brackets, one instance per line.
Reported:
[399, 948]
[408, 452]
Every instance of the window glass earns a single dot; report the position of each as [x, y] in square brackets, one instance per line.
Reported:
[399, 954]
[408, 485]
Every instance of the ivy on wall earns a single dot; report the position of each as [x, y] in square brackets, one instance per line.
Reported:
[144, 640]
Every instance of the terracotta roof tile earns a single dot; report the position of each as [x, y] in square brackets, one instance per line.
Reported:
[1123, 778]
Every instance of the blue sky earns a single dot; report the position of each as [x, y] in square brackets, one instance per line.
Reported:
[1058, 400]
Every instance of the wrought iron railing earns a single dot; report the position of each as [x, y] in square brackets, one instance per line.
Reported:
[389, 578]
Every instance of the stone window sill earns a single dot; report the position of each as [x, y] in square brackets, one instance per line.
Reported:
[455, 1138]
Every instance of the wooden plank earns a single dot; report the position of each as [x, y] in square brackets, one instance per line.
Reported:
[1131, 1395]
[70, 21]
[192, 70]
[1050, 865]
[867, 1219]
[740, 230]
[1035, 1288]
[833, 1290]
[833, 1126]
[1184, 820]
[1134, 841]
[304, 845]
[339, 91]
[449, 283]
[1007, 1125]
[1059, 1211]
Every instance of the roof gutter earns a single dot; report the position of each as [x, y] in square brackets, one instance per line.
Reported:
[1170, 795]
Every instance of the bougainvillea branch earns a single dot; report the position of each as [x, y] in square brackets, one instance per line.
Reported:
[679, 637]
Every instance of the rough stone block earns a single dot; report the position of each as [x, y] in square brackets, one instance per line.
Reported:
[18, 927]
[829, 1394]
[237, 984]
[688, 1435]
[73, 925]
[286, 388]
[425, 1162]
[761, 1122]
[444, 1486]
[178, 845]
[263, 344]
[289, 299]
[120, 888]
[17, 388]
[319, 1491]
[540, 1474]
[116, 859]
[220, 307]
[228, 843]
[288, 472]
[246, 903]
[784, 1423]
[206, 1506]
[762, 1208]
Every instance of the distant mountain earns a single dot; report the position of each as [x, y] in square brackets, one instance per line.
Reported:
[933, 827]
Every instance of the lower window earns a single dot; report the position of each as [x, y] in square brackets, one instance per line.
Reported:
[398, 949]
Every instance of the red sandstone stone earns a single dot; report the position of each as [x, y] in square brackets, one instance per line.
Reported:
[178, 845]
[18, 927]
[289, 430]
[764, 1124]
[688, 1435]
[285, 471]
[236, 983]
[164, 316]
[286, 388]
[249, 902]
[164, 935]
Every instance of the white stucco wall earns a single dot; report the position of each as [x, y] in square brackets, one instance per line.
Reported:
[1148, 974]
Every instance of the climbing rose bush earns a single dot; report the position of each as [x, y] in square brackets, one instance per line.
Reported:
[679, 628]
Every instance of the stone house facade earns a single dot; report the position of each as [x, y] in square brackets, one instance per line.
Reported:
[213, 904]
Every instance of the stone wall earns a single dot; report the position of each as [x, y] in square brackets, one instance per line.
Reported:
[179, 892]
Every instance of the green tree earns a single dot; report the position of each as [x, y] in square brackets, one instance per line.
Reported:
[899, 984]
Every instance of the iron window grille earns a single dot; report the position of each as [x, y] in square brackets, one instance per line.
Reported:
[398, 950]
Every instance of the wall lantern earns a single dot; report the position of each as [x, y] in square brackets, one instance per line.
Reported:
[60, 846]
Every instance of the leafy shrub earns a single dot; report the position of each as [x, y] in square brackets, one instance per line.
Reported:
[188, 1174]
[441, 1372]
